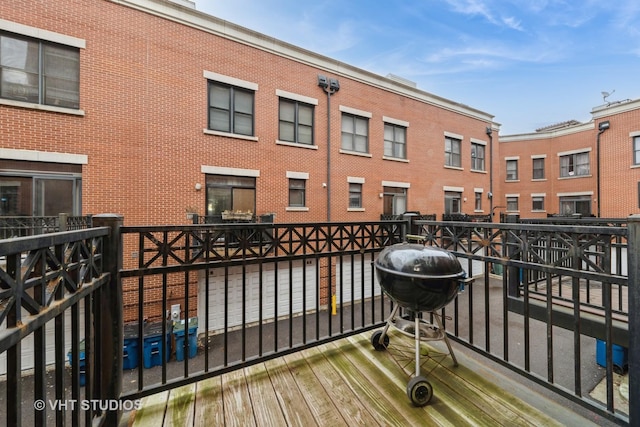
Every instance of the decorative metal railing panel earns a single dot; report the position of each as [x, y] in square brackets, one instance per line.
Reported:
[43, 278]
[558, 277]
[20, 226]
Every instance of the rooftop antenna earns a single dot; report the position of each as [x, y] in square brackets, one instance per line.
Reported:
[605, 95]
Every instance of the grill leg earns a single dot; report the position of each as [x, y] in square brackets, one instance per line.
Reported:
[390, 320]
[446, 338]
[417, 336]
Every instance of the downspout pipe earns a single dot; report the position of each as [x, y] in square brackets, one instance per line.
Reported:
[489, 132]
[602, 127]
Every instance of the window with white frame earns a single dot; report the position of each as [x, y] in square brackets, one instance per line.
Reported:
[537, 202]
[578, 204]
[297, 192]
[452, 202]
[231, 108]
[355, 195]
[478, 201]
[452, 151]
[512, 203]
[395, 141]
[574, 164]
[295, 121]
[636, 150]
[538, 167]
[355, 133]
[39, 72]
[477, 156]
[512, 170]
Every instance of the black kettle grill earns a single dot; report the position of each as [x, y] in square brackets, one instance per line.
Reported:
[418, 279]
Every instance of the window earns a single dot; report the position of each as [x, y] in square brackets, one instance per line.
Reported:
[512, 203]
[478, 204]
[512, 170]
[636, 150]
[55, 188]
[452, 152]
[570, 205]
[355, 195]
[355, 133]
[537, 203]
[452, 202]
[230, 193]
[395, 141]
[39, 72]
[297, 190]
[477, 157]
[538, 168]
[394, 200]
[230, 109]
[576, 164]
[296, 122]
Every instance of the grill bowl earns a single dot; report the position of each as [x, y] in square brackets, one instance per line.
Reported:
[417, 277]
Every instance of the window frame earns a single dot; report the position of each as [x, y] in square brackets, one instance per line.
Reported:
[40, 91]
[574, 169]
[511, 174]
[297, 105]
[635, 147]
[540, 200]
[231, 110]
[452, 202]
[297, 190]
[475, 159]
[541, 170]
[350, 138]
[355, 194]
[512, 203]
[451, 158]
[393, 145]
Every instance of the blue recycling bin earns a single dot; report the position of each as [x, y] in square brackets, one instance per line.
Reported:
[130, 353]
[192, 336]
[152, 344]
[619, 355]
[81, 365]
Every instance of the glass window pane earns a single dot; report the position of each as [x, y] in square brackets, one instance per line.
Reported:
[347, 124]
[286, 132]
[305, 135]
[19, 61]
[219, 120]
[361, 126]
[243, 102]
[305, 115]
[287, 111]
[219, 97]
[243, 124]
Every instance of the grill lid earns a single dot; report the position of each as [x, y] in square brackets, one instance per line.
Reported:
[420, 262]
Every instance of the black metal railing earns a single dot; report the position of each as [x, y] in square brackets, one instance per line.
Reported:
[53, 300]
[20, 226]
[258, 291]
[561, 286]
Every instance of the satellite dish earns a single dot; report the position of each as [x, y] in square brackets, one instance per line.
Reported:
[605, 95]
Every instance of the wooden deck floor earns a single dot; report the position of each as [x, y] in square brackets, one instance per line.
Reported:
[347, 383]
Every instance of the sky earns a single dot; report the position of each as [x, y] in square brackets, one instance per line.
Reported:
[529, 63]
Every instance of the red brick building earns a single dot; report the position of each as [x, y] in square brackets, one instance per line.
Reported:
[586, 168]
[147, 108]
[151, 109]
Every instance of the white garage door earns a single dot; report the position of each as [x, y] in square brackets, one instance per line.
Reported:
[349, 287]
[302, 280]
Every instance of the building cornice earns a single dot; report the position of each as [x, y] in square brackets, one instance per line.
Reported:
[584, 127]
[219, 27]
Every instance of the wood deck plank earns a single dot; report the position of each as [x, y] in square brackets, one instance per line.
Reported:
[264, 401]
[237, 400]
[180, 406]
[209, 407]
[324, 411]
[294, 407]
[341, 393]
[152, 412]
